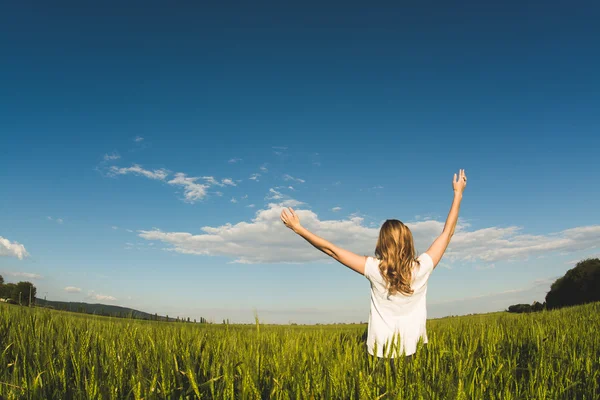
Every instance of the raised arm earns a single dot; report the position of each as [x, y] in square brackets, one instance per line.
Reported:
[348, 258]
[439, 246]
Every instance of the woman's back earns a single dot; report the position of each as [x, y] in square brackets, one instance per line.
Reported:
[401, 314]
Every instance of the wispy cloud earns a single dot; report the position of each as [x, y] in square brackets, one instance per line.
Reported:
[377, 187]
[192, 191]
[115, 227]
[12, 249]
[158, 174]
[112, 156]
[234, 160]
[28, 275]
[72, 289]
[254, 177]
[224, 182]
[251, 205]
[274, 195]
[280, 147]
[100, 297]
[287, 177]
[497, 244]
[138, 139]
[336, 209]
[57, 220]
[233, 200]
[264, 168]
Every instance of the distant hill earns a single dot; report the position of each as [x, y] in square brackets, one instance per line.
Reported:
[98, 309]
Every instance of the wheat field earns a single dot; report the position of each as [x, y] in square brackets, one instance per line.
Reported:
[46, 354]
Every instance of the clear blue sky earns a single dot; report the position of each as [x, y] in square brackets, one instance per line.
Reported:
[109, 111]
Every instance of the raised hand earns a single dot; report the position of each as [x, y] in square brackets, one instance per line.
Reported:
[290, 219]
[460, 182]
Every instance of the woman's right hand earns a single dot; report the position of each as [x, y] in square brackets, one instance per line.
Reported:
[460, 182]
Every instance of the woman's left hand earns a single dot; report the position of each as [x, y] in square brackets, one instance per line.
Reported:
[290, 219]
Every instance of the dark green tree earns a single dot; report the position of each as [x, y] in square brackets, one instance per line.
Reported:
[1, 280]
[580, 285]
[24, 288]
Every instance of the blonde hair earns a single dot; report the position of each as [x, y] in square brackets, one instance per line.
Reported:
[396, 252]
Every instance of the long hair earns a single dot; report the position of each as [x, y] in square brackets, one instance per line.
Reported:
[396, 252]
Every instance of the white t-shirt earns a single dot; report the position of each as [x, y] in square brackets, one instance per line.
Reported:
[397, 314]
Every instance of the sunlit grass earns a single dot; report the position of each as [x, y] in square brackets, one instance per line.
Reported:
[47, 354]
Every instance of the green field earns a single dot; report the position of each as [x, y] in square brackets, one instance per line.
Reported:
[47, 354]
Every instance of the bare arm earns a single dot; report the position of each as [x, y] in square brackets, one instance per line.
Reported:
[439, 246]
[349, 259]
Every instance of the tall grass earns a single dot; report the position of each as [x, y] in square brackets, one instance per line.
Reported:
[48, 354]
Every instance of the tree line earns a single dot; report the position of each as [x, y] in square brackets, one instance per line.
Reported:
[579, 285]
[19, 293]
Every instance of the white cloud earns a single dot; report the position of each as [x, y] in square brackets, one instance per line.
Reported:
[111, 157]
[497, 244]
[100, 297]
[336, 209]
[12, 249]
[72, 289]
[245, 196]
[265, 239]
[115, 227]
[280, 147]
[234, 160]
[250, 206]
[158, 174]
[28, 275]
[233, 200]
[212, 181]
[263, 168]
[129, 230]
[192, 191]
[254, 177]
[138, 139]
[57, 220]
[274, 195]
[287, 177]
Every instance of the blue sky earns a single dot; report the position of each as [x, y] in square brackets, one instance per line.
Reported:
[146, 150]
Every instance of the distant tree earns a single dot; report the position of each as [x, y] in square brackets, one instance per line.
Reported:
[1, 280]
[579, 285]
[24, 288]
[167, 317]
[537, 306]
[156, 316]
[520, 308]
[8, 291]
[189, 320]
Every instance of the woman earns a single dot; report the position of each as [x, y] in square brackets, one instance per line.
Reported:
[398, 278]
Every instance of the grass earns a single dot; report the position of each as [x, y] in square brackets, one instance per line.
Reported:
[55, 355]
